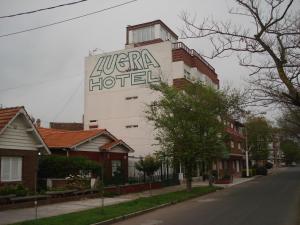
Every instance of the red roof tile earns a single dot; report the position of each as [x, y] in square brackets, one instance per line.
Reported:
[66, 139]
[6, 114]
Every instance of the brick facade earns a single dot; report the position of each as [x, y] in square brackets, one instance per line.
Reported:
[29, 166]
[193, 61]
[180, 83]
[66, 126]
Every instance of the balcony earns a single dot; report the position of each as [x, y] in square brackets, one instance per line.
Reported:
[192, 52]
[190, 57]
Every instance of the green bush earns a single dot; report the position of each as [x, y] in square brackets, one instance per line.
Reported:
[77, 182]
[133, 180]
[51, 166]
[110, 194]
[18, 190]
[170, 182]
[226, 177]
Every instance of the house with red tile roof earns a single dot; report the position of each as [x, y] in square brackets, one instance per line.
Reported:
[20, 146]
[98, 145]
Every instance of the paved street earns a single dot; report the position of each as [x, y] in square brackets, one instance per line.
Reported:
[271, 200]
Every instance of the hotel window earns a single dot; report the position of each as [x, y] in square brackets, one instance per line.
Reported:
[143, 34]
[11, 168]
[220, 165]
[115, 165]
[231, 144]
[166, 36]
[187, 74]
[237, 166]
[131, 97]
[239, 145]
[132, 126]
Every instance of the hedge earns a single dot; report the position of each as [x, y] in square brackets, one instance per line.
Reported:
[60, 166]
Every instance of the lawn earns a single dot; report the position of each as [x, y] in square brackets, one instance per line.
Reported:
[108, 212]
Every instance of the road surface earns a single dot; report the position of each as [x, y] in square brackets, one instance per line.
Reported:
[271, 200]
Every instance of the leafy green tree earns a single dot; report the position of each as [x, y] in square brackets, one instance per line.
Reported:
[148, 165]
[188, 124]
[259, 134]
[291, 150]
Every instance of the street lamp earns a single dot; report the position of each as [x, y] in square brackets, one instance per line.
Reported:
[246, 147]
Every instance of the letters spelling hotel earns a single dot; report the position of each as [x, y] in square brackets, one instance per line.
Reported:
[117, 83]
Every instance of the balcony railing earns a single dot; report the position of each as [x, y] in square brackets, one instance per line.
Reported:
[192, 52]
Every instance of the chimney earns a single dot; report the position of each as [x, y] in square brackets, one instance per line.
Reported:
[38, 123]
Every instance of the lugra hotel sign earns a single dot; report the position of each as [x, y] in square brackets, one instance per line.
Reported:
[124, 69]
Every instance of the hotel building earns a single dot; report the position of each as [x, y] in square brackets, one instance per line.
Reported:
[117, 83]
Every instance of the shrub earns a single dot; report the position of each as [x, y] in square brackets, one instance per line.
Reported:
[77, 182]
[226, 177]
[214, 173]
[262, 171]
[133, 180]
[148, 165]
[18, 190]
[51, 166]
[110, 194]
[171, 181]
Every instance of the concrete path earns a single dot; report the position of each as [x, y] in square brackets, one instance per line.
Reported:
[18, 215]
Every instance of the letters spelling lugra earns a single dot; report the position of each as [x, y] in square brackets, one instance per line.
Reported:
[134, 67]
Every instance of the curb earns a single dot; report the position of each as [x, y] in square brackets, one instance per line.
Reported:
[130, 215]
[141, 212]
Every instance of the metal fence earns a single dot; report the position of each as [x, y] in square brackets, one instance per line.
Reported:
[164, 173]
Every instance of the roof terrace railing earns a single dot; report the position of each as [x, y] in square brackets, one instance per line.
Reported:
[192, 52]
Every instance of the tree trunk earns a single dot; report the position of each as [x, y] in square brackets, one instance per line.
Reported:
[210, 178]
[189, 178]
[150, 187]
[189, 184]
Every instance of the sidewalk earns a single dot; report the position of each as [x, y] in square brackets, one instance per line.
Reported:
[18, 215]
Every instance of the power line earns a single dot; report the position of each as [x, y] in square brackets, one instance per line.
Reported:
[67, 20]
[68, 101]
[35, 83]
[43, 9]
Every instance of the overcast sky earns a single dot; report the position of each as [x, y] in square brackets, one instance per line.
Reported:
[43, 70]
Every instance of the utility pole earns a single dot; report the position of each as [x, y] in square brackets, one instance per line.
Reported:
[247, 154]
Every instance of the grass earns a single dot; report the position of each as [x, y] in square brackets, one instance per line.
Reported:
[108, 212]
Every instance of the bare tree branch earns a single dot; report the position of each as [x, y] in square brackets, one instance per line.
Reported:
[269, 47]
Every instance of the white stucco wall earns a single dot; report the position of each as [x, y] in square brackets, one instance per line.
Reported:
[107, 105]
[110, 107]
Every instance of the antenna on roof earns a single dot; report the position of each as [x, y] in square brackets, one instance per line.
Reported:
[38, 123]
[94, 51]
